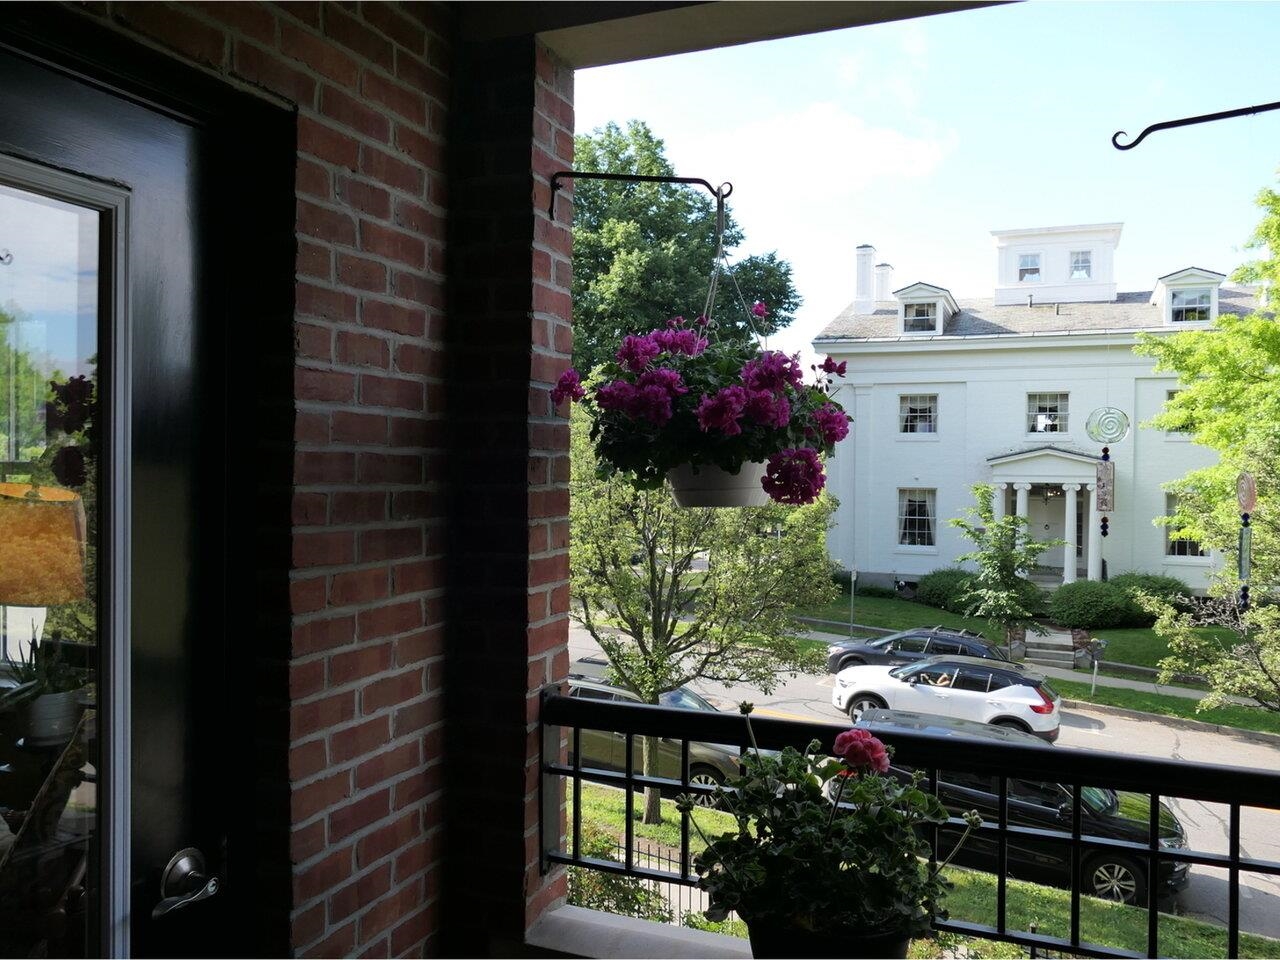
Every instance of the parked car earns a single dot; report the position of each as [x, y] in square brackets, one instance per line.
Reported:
[709, 763]
[908, 646]
[1109, 814]
[970, 688]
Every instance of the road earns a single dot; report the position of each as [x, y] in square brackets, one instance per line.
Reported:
[805, 697]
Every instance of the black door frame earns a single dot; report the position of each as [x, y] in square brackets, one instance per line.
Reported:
[256, 155]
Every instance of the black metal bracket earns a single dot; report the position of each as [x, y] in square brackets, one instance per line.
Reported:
[721, 193]
[1188, 121]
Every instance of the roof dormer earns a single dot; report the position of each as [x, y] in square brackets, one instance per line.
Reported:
[924, 309]
[1188, 296]
[1074, 264]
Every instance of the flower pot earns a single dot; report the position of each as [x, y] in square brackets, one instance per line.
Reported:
[51, 718]
[778, 940]
[706, 485]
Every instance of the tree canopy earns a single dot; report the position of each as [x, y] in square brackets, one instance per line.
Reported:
[643, 252]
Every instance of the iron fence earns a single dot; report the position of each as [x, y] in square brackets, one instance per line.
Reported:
[564, 718]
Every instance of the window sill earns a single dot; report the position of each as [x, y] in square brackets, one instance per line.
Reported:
[1189, 561]
[1046, 435]
[908, 548]
[918, 437]
[579, 932]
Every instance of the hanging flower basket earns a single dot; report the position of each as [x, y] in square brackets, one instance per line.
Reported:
[717, 418]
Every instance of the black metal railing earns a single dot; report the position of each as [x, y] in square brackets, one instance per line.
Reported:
[564, 719]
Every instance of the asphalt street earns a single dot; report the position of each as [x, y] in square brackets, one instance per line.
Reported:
[806, 697]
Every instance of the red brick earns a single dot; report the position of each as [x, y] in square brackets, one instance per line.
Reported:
[412, 358]
[324, 303]
[306, 801]
[394, 317]
[356, 896]
[358, 507]
[389, 911]
[317, 635]
[362, 349]
[548, 503]
[358, 586]
[350, 112]
[358, 814]
[410, 790]
[361, 273]
[411, 285]
[391, 690]
[308, 11]
[266, 70]
[318, 54]
[355, 36]
[414, 432]
[384, 840]
[548, 636]
[308, 759]
[338, 944]
[326, 143]
[392, 244]
[426, 150]
[399, 99]
[416, 716]
[390, 392]
[379, 948]
[323, 549]
[415, 858]
[412, 931]
[359, 663]
[422, 77]
[549, 570]
[386, 765]
[366, 197]
[307, 596]
[312, 341]
[175, 29]
[305, 679]
[385, 621]
[306, 842]
[307, 718]
[331, 226]
[308, 924]
[358, 428]
[354, 741]
[323, 466]
[390, 544]
[246, 18]
[402, 30]
[394, 172]
[314, 260]
[419, 646]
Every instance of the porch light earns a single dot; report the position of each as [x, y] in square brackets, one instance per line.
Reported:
[42, 541]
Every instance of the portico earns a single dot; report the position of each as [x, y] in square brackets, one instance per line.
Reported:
[1054, 489]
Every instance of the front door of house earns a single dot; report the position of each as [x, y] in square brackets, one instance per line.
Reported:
[118, 770]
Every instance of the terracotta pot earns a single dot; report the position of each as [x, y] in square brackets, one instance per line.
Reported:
[774, 940]
[706, 485]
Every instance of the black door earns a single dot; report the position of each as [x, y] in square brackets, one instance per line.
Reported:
[117, 253]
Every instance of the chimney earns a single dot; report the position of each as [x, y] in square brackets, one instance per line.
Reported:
[862, 298]
[884, 281]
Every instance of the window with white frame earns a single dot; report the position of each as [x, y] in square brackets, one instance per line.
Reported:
[1081, 264]
[1029, 268]
[1047, 412]
[920, 318]
[918, 413]
[1182, 430]
[916, 515]
[1179, 546]
[1192, 305]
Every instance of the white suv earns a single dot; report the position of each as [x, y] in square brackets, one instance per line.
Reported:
[1005, 694]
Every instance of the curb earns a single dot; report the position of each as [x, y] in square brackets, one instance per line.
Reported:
[1257, 736]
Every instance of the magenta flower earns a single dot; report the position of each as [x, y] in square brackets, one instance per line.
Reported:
[794, 476]
[652, 403]
[829, 365]
[758, 309]
[675, 323]
[773, 370]
[769, 409]
[569, 386]
[617, 395]
[636, 353]
[702, 320]
[722, 411]
[832, 423]
[858, 748]
[685, 342]
[664, 377]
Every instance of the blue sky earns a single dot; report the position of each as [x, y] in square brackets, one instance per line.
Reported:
[921, 136]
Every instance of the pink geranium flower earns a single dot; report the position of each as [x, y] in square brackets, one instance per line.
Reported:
[721, 411]
[832, 423]
[860, 749]
[794, 476]
[568, 387]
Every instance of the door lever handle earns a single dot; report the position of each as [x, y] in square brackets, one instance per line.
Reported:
[184, 882]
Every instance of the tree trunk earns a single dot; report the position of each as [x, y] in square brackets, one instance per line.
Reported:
[652, 796]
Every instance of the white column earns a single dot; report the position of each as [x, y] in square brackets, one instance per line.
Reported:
[998, 499]
[1020, 491]
[1094, 548]
[1069, 522]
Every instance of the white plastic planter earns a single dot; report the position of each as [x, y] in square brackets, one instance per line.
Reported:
[706, 485]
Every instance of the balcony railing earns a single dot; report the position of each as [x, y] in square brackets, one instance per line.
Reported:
[564, 718]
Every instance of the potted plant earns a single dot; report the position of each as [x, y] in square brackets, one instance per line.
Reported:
[726, 423]
[829, 858]
[46, 696]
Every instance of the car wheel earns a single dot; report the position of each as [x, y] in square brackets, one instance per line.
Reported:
[1013, 725]
[851, 662]
[864, 701]
[1116, 878]
[705, 777]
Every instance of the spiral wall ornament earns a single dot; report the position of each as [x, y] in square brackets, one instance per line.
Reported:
[1107, 425]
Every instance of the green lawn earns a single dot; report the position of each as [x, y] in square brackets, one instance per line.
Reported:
[1246, 718]
[1141, 646]
[972, 898]
[894, 614]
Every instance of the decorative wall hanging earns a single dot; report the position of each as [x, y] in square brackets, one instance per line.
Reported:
[1107, 425]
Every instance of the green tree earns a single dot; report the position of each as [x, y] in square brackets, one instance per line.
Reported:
[1005, 554]
[662, 621]
[24, 388]
[643, 252]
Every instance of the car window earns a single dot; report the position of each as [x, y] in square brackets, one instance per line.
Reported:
[969, 781]
[1043, 794]
[939, 676]
[684, 700]
[945, 647]
[881, 643]
[998, 682]
[592, 693]
[910, 644]
[972, 678]
[1049, 692]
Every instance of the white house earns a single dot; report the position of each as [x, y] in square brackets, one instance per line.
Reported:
[946, 393]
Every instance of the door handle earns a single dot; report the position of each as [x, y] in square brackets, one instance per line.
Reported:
[185, 881]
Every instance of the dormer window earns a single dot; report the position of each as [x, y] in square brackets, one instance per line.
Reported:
[1081, 265]
[920, 318]
[1029, 268]
[1191, 305]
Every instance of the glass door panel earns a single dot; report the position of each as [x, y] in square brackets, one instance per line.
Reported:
[50, 444]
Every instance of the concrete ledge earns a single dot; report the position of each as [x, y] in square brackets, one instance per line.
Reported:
[1257, 736]
[579, 932]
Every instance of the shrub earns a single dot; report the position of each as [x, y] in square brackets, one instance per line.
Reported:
[612, 893]
[1169, 589]
[1090, 605]
[886, 593]
[945, 589]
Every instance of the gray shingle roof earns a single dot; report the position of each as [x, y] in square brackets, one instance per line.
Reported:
[1129, 311]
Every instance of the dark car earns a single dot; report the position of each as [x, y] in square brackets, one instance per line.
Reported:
[907, 646]
[1110, 814]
